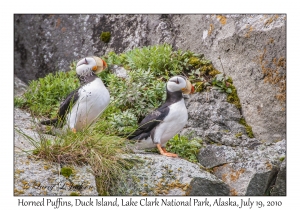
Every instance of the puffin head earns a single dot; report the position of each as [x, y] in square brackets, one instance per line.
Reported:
[90, 64]
[180, 83]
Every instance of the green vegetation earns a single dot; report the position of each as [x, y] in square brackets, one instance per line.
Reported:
[238, 135]
[66, 171]
[248, 128]
[74, 194]
[184, 147]
[44, 95]
[105, 36]
[223, 83]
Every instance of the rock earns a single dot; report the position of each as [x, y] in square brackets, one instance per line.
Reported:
[214, 119]
[19, 86]
[214, 155]
[119, 71]
[247, 178]
[280, 184]
[40, 177]
[160, 175]
[252, 49]
[201, 187]
[248, 171]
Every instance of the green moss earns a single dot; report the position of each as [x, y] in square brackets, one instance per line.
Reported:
[66, 171]
[105, 36]
[74, 194]
[229, 79]
[282, 159]
[195, 62]
[199, 86]
[213, 72]
[238, 135]
[248, 127]
[233, 97]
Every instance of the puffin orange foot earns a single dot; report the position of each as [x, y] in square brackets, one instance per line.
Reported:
[164, 152]
[74, 130]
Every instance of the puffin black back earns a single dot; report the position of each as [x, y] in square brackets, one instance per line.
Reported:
[148, 124]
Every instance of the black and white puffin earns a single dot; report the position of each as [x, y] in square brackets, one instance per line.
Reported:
[163, 123]
[83, 106]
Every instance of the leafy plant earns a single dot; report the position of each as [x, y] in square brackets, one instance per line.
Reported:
[44, 95]
[221, 83]
[185, 148]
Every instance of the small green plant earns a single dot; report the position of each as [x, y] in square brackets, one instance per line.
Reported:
[282, 159]
[105, 36]
[19, 102]
[238, 135]
[223, 83]
[74, 194]
[247, 127]
[185, 148]
[66, 171]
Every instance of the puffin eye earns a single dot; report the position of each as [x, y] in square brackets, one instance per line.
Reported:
[177, 82]
[85, 61]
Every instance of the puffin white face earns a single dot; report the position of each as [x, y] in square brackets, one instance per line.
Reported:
[90, 64]
[179, 83]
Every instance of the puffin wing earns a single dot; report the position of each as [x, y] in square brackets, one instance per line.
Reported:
[149, 123]
[63, 109]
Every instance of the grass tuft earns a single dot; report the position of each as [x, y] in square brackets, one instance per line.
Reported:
[102, 153]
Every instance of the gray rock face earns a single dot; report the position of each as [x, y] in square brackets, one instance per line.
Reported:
[247, 165]
[252, 49]
[40, 177]
[201, 187]
[248, 45]
[280, 184]
[48, 43]
[248, 171]
[247, 178]
[216, 155]
[19, 86]
[215, 120]
[160, 175]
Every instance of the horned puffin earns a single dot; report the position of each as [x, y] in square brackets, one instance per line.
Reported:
[82, 106]
[163, 123]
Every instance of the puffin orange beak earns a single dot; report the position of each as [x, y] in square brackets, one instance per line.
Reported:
[104, 64]
[192, 89]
